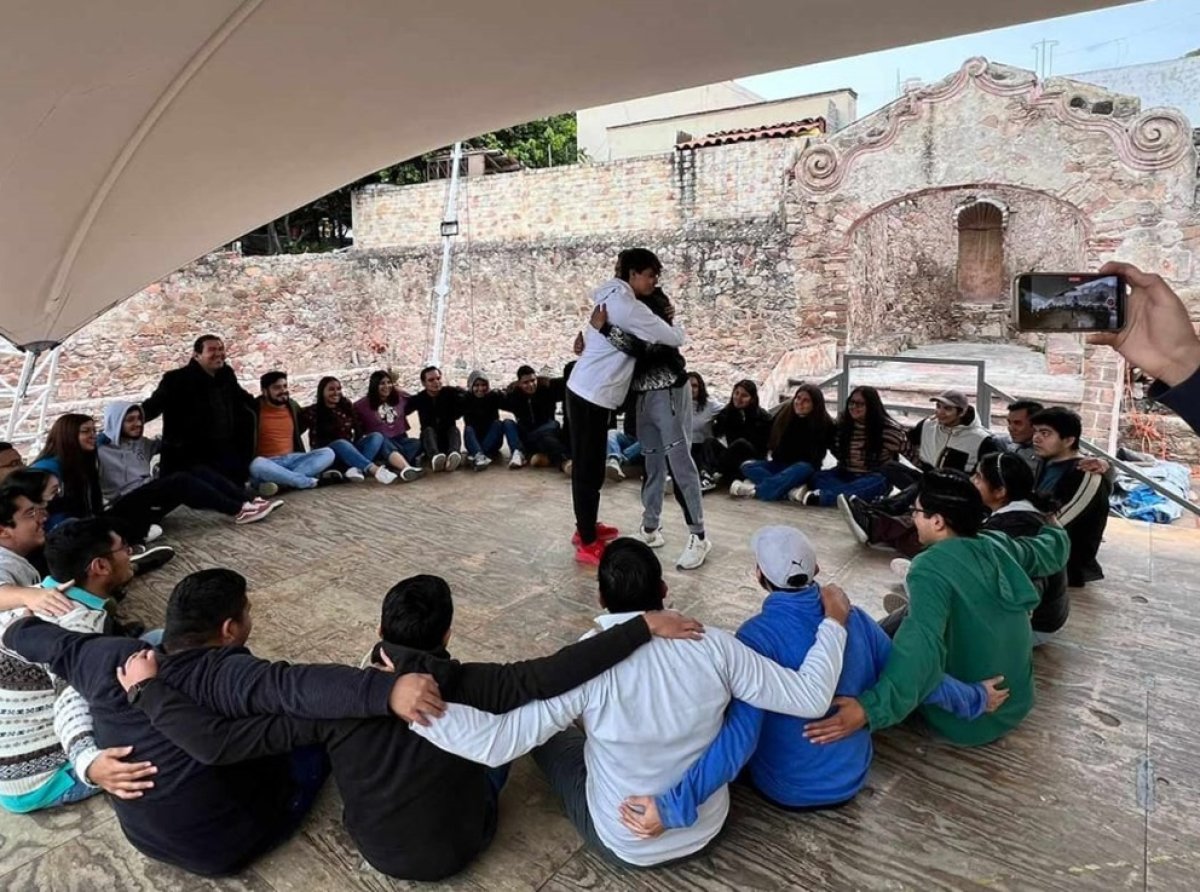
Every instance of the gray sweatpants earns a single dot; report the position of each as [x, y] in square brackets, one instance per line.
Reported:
[664, 428]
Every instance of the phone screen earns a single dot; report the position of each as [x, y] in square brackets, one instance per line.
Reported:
[1069, 302]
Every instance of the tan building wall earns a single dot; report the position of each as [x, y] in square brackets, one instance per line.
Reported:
[593, 123]
[659, 135]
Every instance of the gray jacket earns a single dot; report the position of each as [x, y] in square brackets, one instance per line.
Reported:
[124, 464]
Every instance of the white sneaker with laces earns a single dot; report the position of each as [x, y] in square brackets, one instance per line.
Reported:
[654, 538]
[517, 460]
[356, 475]
[742, 489]
[694, 554]
[481, 461]
[612, 468]
[385, 475]
[900, 566]
[453, 460]
[155, 532]
[438, 462]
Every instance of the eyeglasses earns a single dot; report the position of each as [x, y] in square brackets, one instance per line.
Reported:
[856, 403]
[123, 547]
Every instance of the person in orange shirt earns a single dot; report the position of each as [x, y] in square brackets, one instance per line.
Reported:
[281, 457]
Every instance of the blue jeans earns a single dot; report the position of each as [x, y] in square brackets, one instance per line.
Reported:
[298, 470]
[361, 453]
[499, 431]
[831, 484]
[622, 446]
[774, 479]
[409, 447]
[79, 792]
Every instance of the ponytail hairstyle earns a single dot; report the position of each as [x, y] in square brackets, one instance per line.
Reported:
[1003, 470]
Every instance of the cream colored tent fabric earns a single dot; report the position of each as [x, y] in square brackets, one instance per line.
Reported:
[135, 135]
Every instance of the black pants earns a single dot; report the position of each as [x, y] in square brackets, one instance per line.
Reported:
[589, 449]
[708, 455]
[202, 489]
[547, 439]
[739, 451]
[441, 441]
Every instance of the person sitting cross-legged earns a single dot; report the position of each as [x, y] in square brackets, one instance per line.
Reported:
[971, 594]
[484, 431]
[414, 811]
[212, 819]
[801, 436]
[785, 768]
[281, 457]
[129, 484]
[643, 722]
[331, 422]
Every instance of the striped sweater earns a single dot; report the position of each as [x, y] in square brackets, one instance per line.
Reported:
[45, 726]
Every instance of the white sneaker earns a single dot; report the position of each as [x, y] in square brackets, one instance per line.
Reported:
[438, 462]
[481, 461]
[613, 469]
[900, 566]
[742, 489]
[654, 538]
[453, 460]
[356, 475]
[155, 532]
[385, 476]
[517, 460]
[798, 494]
[694, 554]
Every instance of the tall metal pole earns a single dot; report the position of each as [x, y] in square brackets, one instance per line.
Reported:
[449, 230]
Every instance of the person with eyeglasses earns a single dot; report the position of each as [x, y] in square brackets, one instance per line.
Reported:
[971, 593]
[10, 460]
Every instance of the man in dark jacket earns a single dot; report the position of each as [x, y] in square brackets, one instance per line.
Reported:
[439, 407]
[208, 419]
[414, 811]
[214, 820]
[1083, 496]
[533, 401]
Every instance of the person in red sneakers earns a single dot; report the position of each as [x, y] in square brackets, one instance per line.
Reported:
[599, 384]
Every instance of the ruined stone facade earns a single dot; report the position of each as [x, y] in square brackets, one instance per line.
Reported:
[902, 229]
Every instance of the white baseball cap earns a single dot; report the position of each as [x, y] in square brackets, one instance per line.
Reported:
[785, 556]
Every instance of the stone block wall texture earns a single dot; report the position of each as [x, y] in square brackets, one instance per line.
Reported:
[768, 246]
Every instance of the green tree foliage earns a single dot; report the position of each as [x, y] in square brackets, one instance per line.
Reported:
[322, 225]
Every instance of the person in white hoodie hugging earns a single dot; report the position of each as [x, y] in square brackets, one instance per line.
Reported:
[599, 384]
[130, 486]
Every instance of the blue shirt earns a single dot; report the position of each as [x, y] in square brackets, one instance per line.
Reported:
[783, 764]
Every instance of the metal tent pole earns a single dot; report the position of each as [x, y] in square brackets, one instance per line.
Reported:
[449, 230]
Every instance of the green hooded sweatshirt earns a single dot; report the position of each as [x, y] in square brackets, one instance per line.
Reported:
[968, 617]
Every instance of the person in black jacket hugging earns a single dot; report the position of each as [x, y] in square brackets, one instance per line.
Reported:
[439, 407]
[483, 429]
[1082, 495]
[208, 418]
[801, 436]
[746, 428]
[414, 811]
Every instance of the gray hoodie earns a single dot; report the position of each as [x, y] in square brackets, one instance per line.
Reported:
[124, 463]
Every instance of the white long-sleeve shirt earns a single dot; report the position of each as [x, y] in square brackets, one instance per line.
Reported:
[647, 720]
[602, 374]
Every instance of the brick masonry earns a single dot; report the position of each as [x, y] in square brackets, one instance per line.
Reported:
[778, 251]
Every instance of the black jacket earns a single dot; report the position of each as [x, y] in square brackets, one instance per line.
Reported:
[753, 425]
[210, 820]
[1051, 613]
[1084, 507]
[440, 412]
[799, 444]
[532, 411]
[414, 811]
[481, 412]
[207, 419]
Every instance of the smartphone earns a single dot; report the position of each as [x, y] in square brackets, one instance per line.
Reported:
[1069, 302]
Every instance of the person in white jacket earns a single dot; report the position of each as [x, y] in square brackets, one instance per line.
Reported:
[598, 386]
[647, 718]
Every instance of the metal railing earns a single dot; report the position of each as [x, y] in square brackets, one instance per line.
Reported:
[984, 392]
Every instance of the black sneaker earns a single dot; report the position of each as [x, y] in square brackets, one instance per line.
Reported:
[145, 558]
[857, 518]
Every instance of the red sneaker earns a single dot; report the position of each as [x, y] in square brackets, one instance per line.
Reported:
[604, 533]
[590, 554]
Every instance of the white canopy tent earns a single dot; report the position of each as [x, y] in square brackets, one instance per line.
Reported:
[136, 135]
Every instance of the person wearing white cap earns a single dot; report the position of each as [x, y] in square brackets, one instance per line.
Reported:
[649, 717]
[784, 767]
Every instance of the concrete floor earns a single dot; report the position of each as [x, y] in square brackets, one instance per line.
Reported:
[1099, 789]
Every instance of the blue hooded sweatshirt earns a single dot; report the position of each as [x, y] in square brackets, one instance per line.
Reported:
[785, 767]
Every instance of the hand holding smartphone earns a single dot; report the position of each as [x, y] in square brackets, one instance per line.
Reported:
[1069, 302]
